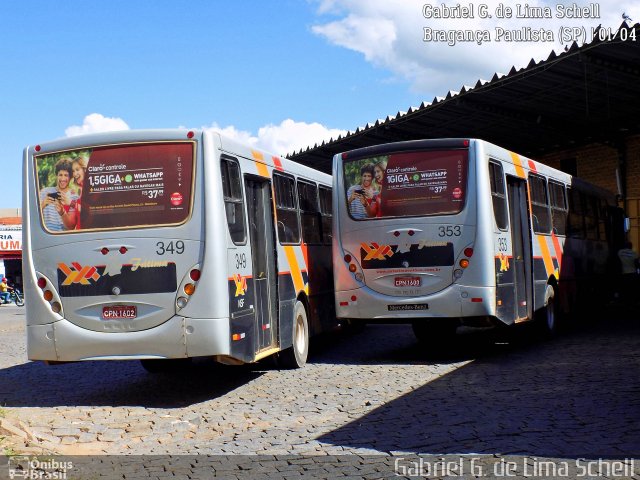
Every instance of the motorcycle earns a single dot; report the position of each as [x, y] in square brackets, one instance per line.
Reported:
[16, 297]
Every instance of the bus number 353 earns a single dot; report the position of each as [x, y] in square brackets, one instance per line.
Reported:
[450, 231]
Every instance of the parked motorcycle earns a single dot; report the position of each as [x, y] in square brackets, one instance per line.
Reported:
[16, 297]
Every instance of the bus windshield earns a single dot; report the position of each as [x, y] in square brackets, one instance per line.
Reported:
[403, 184]
[115, 186]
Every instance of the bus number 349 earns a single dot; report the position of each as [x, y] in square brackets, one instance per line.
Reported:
[170, 247]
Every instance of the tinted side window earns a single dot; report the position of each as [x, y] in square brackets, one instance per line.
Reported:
[309, 212]
[591, 216]
[558, 205]
[326, 211]
[575, 226]
[233, 200]
[539, 204]
[286, 209]
[498, 195]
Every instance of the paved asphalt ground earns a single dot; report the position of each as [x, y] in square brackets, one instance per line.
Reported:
[367, 404]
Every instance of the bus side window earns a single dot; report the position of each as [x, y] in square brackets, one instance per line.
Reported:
[309, 212]
[539, 204]
[591, 216]
[498, 196]
[558, 208]
[326, 211]
[286, 209]
[233, 203]
[576, 218]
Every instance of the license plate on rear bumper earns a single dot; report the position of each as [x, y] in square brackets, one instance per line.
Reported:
[406, 282]
[119, 312]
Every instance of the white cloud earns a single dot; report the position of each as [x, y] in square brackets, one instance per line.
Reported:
[390, 33]
[94, 123]
[287, 137]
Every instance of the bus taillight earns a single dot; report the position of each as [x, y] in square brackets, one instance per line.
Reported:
[464, 263]
[347, 258]
[189, 289]
[194, 274]
[468, 252]
[42, 282]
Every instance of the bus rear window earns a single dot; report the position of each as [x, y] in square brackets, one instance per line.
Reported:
[407, 184]
[120, 186]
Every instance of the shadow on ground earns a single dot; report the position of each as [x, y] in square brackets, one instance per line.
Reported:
[575, 396]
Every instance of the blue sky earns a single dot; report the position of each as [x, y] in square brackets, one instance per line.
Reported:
[280, 74]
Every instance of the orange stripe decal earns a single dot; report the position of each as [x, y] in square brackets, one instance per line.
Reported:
[263, 171]
[546, 256]
[518, 164]
[558, 248]
[296, 274]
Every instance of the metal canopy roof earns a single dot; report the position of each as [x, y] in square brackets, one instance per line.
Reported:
[584, 95]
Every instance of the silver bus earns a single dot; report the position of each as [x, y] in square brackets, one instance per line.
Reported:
[172, 244]
[460, 232]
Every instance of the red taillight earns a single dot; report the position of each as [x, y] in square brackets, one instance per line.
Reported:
[465, 143]
[38, 148]
[194, 274]
[476, 300]
[104, 250]
[347, 258]
[190, 134]
[396, 234]
[353, 298]
[468, 252]
[42, 282]
[123, 250]
[411, 233]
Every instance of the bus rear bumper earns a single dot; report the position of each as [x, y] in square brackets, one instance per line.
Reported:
[179, 337]
[455, 301]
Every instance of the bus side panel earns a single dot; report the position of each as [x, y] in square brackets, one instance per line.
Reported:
[321, 297]
[286, 303]
[242, 318]
[505, 297]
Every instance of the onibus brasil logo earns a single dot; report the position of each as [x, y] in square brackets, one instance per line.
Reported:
[38, 468]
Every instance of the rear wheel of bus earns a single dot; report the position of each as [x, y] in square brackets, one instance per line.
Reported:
[547, 316]
[296, 355]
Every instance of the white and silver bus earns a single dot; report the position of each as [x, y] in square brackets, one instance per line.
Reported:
[172, 244]
[459, 232]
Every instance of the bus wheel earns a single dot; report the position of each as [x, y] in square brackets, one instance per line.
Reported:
[173, 365]
[548, 321]
[296, 355]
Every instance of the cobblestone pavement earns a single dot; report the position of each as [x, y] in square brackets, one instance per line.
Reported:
[363, 401]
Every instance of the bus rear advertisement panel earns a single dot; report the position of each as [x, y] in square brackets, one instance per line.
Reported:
[113, 186]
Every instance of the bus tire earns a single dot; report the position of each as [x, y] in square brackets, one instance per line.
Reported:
[296, 355]
[548, 319]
